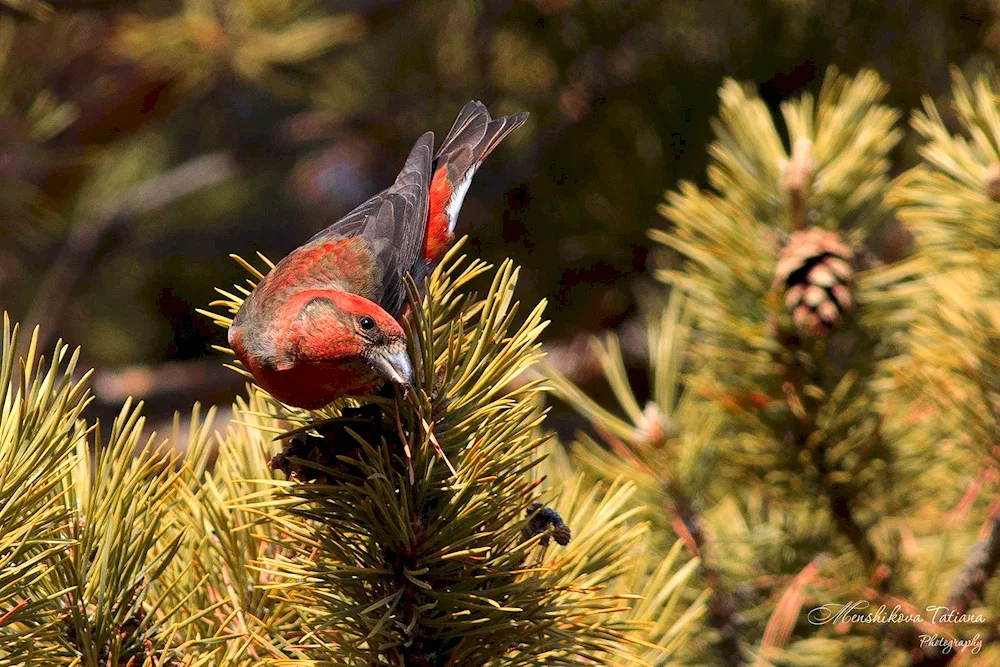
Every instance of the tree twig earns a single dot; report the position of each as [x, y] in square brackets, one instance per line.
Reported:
[722, 606]
[979, 566]
[839, 505]
[574, 357]
[838, 495]
[6, 617]
[188, 380]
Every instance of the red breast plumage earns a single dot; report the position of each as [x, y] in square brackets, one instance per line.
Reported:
[325, 321]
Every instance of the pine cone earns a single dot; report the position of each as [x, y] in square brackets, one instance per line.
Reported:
[306, 458]
[816, 273]
[542, 519]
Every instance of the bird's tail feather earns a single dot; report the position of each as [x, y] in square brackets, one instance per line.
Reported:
[473, 136]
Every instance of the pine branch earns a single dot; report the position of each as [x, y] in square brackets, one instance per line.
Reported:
[841, 509]
[839, 500]
[229, 614]
[167, 383]
[637, 440]
[838, 496]
[207, 45]
[789, 346]
[980, 565]
[429, 570]
[722, 606]
[40, 428]
[950, 201]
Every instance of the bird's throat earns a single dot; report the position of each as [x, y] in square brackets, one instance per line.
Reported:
[314, 385]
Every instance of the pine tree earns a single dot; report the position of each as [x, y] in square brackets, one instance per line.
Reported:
[821, 425]
[450, 569]
[319, 548]
[813, 411]
[950, 203]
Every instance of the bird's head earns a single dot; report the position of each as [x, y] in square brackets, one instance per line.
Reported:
[339, 328]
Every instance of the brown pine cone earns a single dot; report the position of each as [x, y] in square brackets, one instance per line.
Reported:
[815, 273]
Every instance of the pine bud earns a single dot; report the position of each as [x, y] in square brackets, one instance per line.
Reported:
[653, 429]
[796, 180]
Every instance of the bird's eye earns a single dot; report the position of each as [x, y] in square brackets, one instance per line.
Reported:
[366, 322]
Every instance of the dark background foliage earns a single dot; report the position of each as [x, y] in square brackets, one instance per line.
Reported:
[620, 95]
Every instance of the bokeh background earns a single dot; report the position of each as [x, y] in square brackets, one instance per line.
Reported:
[142, 142]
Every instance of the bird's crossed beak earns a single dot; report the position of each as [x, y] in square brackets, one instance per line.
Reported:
[393, 364]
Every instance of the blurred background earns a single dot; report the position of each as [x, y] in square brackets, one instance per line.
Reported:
[141, 143]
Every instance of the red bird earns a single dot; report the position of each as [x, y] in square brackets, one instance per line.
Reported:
[325, 320]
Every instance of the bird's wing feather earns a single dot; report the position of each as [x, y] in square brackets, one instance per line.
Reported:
[393, 224]
[396, 231]
[351, 223]
[412, 183]
[412, 186]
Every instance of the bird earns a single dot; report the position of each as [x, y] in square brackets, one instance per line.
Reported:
[326, 320]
